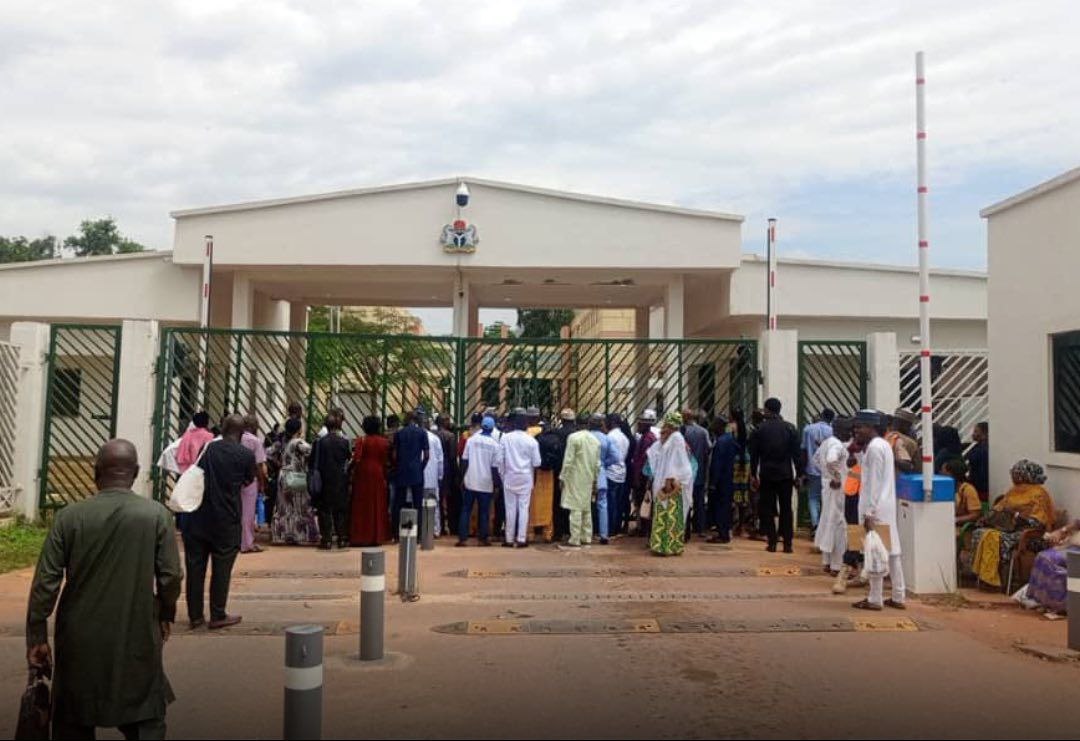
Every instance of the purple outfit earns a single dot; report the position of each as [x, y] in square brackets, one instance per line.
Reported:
[249, 495]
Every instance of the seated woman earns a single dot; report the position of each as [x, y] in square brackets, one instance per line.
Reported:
[1026, 506]
[968, 506]
[1048, 584]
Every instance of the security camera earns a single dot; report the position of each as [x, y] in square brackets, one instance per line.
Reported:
[463, 195]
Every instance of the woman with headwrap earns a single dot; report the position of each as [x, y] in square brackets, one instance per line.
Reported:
[1026, 506]
[672, 487]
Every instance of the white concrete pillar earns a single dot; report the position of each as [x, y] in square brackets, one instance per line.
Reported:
[883, 365]
[139, 346]
[462, 306]
[779, 358]
[32, 339]
[270, 314]
[674, 308]
[243, 302]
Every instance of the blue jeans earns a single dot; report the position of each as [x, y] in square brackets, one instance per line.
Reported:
[602, 518]
[618, 509]
[814, 492]
[484, 499]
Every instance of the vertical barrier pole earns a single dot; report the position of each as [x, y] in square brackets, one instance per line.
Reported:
[407, 583]
[303, 682]
[427, 540]
[1073, 603]
[372, 603]
[924, 281]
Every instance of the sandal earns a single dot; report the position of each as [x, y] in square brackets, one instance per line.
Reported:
[866, 604]
[895, 605]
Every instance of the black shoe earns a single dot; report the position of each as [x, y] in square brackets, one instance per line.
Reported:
[460, 544]
[604, 541]
[788, 548]
[343, 545]
[324, 546]
[507, 544]
[524, 544]
[771, 547]
[485, 543]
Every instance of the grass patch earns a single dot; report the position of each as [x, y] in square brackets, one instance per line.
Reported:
[20, 545]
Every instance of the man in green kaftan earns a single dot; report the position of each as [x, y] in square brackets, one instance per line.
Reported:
[580, 468]
[115, 555]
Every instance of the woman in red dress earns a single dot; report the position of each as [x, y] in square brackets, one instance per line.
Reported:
[370, 524]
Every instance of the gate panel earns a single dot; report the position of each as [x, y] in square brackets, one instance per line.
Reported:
[960, 387]
[80, 409]
[9, 396]
[832, 374]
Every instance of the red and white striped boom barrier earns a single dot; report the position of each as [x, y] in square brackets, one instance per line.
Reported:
[924, 281]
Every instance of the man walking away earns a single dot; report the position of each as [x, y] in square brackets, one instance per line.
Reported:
[978, 461]
[449, 493]
[581, 466]
[113, 619]
[774, 457]
[410, 451]
[831, 459]
[520, 458]
[813, 436]
[249, 495]
[480, 462]
[697, 437]
[616, 474]
[433, 473]
[877, 506]
[212, 532]
[567, 427]
[542, 503]
[330, 458]
[725, 451]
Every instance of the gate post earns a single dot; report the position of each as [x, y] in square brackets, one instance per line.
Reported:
[139, 346]
[883, 367]
[779, 358]
[32, 339]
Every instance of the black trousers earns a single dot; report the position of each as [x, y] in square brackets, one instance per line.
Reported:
[334, 523]
[197, 554]
[153, 728]
[721, 502]
[851, 516]
[700, 521]
[777, 495]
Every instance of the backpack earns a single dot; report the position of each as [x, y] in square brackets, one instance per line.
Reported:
[551, 450]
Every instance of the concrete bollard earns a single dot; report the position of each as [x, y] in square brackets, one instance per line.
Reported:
[408, 586]
[1073, 603]
[372, 603]
[427, 531]
[303, 682]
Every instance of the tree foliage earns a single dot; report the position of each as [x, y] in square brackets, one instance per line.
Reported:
[543, 323]
[22, 249]
[100, 237]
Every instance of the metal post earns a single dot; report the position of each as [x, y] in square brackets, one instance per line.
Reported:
[1073, 603]
[924, 282]
[372, 603]
[427, 531]
[303, 682]
[770, 281]
[407, 582]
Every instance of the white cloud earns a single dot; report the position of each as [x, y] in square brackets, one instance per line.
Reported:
[133, 108]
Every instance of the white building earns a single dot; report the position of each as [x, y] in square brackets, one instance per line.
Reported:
[1034, 332]
[679, 271]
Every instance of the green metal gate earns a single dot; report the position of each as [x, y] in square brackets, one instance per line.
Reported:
[832, 373]
[260, 372]
[80, 409]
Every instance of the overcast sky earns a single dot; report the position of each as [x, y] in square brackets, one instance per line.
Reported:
[801, 110]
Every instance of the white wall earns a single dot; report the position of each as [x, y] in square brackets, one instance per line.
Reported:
[518, 227]
[1034, 258]
[101, 289]
[946, 334]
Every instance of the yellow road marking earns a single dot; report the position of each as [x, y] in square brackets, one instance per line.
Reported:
[493, 627]
[896, 625]
[779, 571]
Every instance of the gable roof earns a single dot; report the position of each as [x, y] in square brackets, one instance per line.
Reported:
[1053, 184]
[550, 193]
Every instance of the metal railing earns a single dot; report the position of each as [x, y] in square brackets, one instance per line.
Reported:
[833, 374]
[9, 397]
[961, 387]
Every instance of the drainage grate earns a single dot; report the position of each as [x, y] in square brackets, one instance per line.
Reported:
[615, 573]
[641, 596]
[683, 627]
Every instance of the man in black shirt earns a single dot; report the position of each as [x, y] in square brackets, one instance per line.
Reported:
[978, 461]
[331, 458]
[774, 458]
[212, 532]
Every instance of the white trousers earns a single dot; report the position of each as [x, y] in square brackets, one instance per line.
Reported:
[434, 494]
[833, 559]
[877, 583]
[517, 513]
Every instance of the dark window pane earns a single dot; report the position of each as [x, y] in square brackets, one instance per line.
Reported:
[1066, 359]
[67, 392]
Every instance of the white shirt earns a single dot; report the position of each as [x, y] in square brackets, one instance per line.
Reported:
[617, 471]
[520, 455]
[433, 471]
[482, 452]
[877, 489]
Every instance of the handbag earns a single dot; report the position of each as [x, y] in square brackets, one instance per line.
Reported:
[187, 494]
[645, 510]
[35, 708]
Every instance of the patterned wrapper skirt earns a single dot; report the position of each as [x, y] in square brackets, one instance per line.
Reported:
[668, 526]
[1049, 582]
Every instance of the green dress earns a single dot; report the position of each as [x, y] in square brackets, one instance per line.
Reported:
[668, 525]
[115, 555]
[581, 465]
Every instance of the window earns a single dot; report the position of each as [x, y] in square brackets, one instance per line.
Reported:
[67, 393]
[1066, 411]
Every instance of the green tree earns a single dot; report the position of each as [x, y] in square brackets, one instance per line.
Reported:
[21, 249]
[543, 323]
[100, 237]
